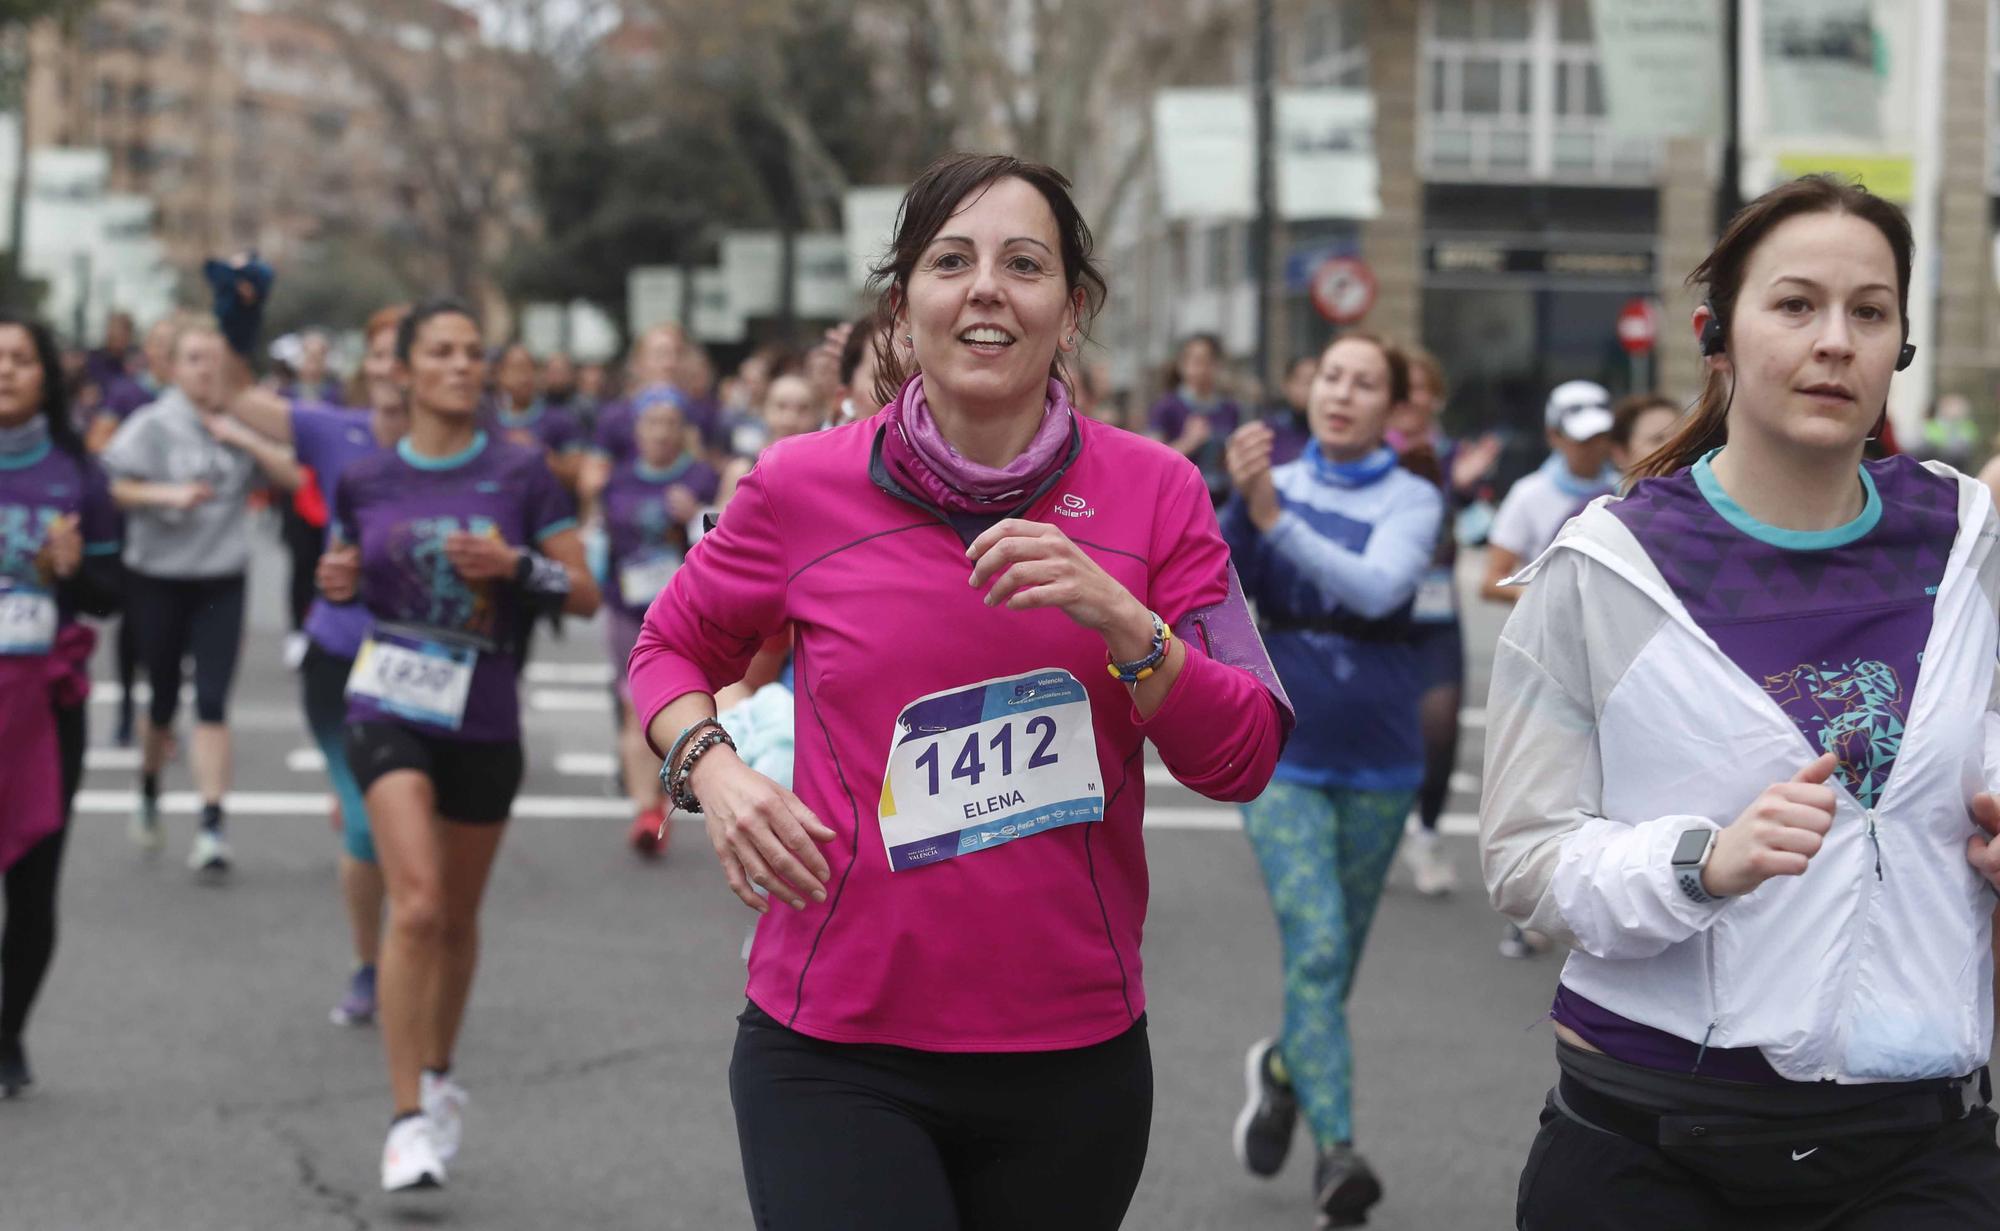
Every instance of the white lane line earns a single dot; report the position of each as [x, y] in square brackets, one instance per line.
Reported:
[312, 803]
[306, 761]
[111, 758]
[1157, 776]
[569, 673]
[586, 764]
[1219, 818]
[569, 700]
[1454, 824]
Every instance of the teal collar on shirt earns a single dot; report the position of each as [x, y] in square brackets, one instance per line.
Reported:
[663, 474]
[409, 454]
[1790, 540]
[526, 418]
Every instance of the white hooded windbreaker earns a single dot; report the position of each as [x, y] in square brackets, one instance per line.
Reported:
[1615, 723]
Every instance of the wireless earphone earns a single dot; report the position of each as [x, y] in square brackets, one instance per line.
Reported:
[1715, 334]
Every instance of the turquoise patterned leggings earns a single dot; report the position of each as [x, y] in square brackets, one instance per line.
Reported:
[1325, 855]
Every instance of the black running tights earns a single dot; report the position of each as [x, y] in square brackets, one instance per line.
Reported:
[28, 939]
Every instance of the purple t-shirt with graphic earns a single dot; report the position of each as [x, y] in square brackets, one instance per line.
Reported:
[638, 525]
[401, 508]
[1831, 623]
[330, 439]
[36, 488]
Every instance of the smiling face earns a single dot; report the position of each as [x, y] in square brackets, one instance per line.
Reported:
[21, 378]
[446, 366]
[988, 304]
[1348, 407]
[1814, 333]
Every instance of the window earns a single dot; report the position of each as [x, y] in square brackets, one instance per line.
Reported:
[1515, 91]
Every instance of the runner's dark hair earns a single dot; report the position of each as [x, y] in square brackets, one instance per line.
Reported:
[429, 309]
[930, 203]
[1720, 276]
[55, 385]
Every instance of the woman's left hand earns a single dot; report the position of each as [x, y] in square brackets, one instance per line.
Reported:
[1038, 566]
[1983, 849]
[62, 551]
[479, 557]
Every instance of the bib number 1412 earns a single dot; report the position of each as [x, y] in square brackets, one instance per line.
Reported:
[970, 767]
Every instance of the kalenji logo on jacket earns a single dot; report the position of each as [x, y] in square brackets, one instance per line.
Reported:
[1074, 506]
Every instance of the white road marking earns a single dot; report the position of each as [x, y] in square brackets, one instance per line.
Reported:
[1219, 818]
[569, 700]
[312, 803]
[1223, 818]
[569, 673]
[586, 764]
[111, 758]
[306, 761]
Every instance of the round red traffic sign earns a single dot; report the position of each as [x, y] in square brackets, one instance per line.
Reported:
[1638, 326]
[1343, 289]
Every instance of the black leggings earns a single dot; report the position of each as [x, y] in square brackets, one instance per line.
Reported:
[28, 940]
[177, 618]
[303, 542]
[859, 1137]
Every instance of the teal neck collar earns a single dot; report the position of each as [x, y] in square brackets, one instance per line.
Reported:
[408, 452]
[1776, 536]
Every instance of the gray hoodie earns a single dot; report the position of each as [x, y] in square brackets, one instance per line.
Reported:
[166, 443]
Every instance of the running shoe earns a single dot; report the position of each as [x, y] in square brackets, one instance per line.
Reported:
[1270, 1113]
[15, 1075]
[209, 855]
[444, 1107]
[145, 827]
[357, 1007]
[410, 1158]
[1518, 942]
[1344, 1186]
[647, 833]
[1423, 854]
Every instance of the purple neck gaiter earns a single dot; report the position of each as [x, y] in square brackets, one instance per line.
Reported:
[923, 458]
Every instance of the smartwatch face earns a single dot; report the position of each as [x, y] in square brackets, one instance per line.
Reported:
[1691, 845]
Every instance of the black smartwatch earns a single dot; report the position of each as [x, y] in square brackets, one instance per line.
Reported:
[1691, 854]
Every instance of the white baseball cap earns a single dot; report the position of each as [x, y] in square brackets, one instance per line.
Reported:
[1581, 408]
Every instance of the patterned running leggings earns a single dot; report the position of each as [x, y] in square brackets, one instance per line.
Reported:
[1325, 854]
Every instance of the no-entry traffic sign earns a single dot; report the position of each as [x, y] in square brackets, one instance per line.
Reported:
[1638, 326]
[1343, 289]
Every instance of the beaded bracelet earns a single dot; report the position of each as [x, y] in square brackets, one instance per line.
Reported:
[1133, 672]
[680, 790]
[674, 753]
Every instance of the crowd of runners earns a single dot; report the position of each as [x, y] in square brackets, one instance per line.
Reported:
[1708, 683]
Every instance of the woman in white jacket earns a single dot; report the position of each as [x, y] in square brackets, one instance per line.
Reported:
[1741, 732]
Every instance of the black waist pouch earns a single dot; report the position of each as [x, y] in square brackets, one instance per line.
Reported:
[1791, 1154]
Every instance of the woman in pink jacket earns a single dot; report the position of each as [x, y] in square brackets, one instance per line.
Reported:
[995, 602]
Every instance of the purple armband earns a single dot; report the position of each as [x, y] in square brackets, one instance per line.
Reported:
[1227, 633]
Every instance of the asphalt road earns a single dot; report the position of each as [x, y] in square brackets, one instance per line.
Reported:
[190, 1079]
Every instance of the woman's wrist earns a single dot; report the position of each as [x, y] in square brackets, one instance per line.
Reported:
[1265, 511]
[1129, 635]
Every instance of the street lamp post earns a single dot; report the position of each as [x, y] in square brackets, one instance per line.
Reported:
[1267, 190]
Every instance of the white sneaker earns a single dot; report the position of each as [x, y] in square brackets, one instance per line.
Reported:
[444, 1103]
[145, 827]
[209, 855]
[410, 1157]
[1423, 854]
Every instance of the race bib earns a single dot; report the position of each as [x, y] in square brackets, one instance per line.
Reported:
[27, 619]
[640, 581]
[979, 766]
[1437, 600]
[422, 681]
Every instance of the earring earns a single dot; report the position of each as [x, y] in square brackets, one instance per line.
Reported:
[909, 341]
[1072, 342]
